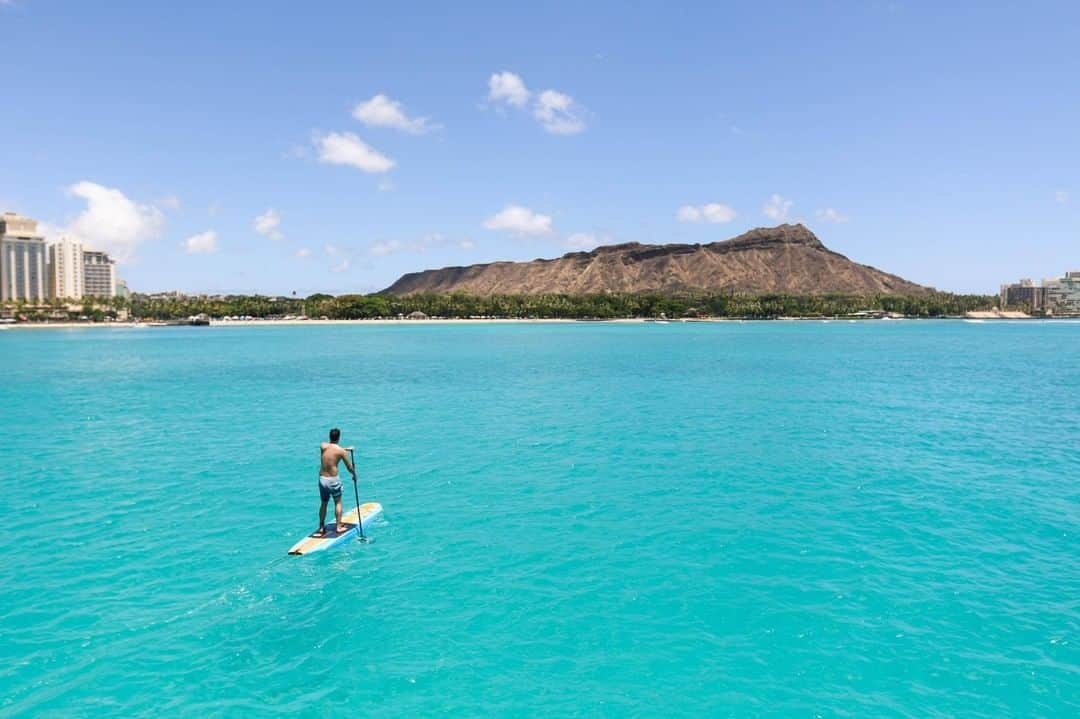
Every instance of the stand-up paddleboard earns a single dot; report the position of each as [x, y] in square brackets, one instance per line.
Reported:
[369, 512]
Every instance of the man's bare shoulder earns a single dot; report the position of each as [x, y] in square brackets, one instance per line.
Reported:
[325, 446]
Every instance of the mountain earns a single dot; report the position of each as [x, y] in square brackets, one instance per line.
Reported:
[785, 259]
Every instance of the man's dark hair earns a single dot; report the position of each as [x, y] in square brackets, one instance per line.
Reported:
[335, 435]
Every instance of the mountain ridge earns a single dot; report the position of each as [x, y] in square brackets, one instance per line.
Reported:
[788, 258]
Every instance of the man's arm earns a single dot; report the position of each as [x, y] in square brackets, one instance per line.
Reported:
[348, 464]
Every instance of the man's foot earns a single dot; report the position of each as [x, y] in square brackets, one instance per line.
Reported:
[320, 532]
[342, 528]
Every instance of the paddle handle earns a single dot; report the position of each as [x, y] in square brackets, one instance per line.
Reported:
[356, 493]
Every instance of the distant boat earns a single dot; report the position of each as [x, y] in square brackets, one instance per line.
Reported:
[975, 322]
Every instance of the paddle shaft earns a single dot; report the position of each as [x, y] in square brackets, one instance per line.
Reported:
[356, 493]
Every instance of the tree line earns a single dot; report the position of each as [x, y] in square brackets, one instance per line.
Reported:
[561, 306]
[545, 306]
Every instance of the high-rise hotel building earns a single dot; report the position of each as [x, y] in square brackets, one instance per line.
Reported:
[22, 259]
[66, 269]
[99, 274]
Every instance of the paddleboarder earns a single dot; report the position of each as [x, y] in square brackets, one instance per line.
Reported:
[329, 482]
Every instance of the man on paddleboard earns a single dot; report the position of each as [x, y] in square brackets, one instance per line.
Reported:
[329, 482]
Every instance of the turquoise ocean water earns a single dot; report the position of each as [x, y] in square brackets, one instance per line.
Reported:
[731, 520]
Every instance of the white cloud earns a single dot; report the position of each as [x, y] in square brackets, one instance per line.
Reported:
[302, 254]
[382, 249]
[506, 87]
[520, 221]
[582, 241]
[332, 250]
[345, 148]
[381, 111]
[467, 245]
[831, 215]
[558, 113]
[113, 222]
[1062, 197]
[267, 224]
[385, 185]
[342, 266]
[713, 212]
[777, 208]
[204, 243]
[555, 111]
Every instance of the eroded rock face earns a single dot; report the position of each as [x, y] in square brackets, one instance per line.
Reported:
[788, 259]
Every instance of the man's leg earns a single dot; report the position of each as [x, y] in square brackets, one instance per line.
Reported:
[322, 516]
[337, 514]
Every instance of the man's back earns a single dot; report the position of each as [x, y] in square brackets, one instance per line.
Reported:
[331, 455]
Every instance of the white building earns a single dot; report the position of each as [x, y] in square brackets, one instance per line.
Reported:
[22, 259]
[99, 274]
[66, 276]
[1063, 294]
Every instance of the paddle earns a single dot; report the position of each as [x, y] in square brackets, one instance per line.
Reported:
[356, 493]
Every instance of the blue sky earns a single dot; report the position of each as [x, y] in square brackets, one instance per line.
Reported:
[939, 143]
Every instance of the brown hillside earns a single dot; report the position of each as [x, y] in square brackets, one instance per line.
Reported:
[788, 259]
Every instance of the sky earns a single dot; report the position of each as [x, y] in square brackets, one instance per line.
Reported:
[283, 147]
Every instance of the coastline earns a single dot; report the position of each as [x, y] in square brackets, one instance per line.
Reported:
[526, 321]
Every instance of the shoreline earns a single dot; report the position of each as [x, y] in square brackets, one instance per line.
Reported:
[431, 321]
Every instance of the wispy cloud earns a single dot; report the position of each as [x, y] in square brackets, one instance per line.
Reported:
[342, 266]
[428, 241]
[777, 208]
[582, 241]
[831, 215]
[382, 249]
[519, 221]
[713, 212]
[204, 243]
[382, 111]
[267, 224]
[558, 114]
[170, 202]
[1061, 197]
[345, 148]
[302, 254]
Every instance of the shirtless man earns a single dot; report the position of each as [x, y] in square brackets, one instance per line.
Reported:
[329, 482]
